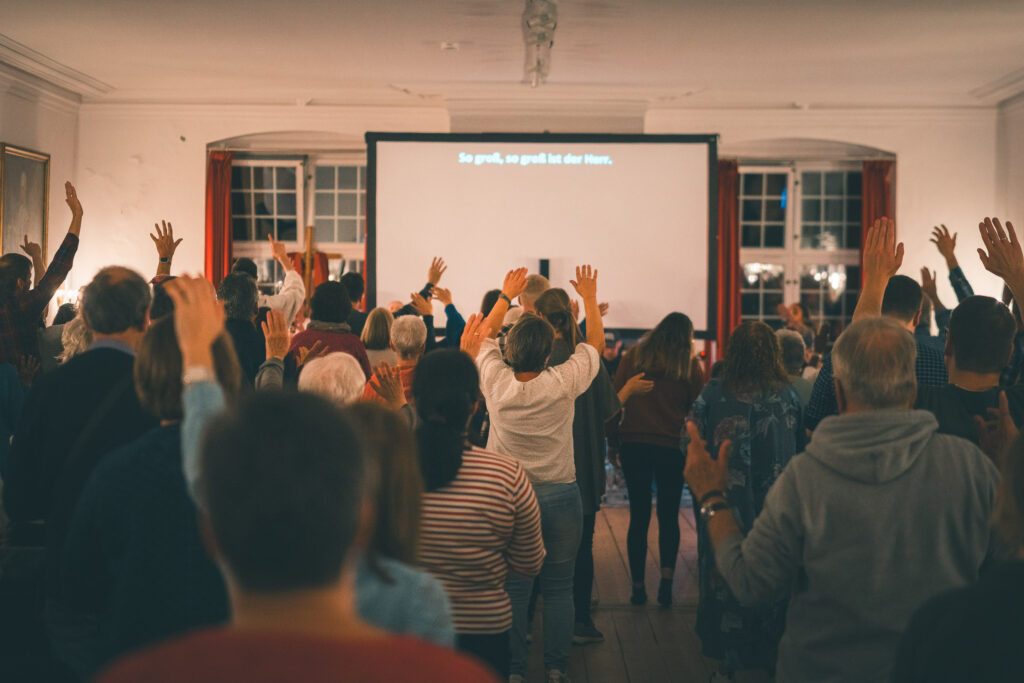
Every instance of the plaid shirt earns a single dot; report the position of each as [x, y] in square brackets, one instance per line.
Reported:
[21, 314]
[960, 284]
[931, 371]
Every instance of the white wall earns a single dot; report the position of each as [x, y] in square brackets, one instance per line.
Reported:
[138, 164]
[44, 118]
[945, 166]
[1010, 161]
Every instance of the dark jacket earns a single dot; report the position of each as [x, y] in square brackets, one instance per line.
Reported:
[250, 347]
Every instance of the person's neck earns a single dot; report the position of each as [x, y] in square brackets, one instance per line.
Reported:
[129, 338]
[328, 612]
[526, 376]
[973, 381]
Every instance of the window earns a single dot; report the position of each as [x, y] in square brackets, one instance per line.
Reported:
[800, 235]
[280, 197]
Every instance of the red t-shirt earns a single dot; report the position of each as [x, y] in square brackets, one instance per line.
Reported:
[236, 656]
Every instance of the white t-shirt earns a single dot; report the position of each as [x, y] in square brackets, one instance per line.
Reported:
[532, 421]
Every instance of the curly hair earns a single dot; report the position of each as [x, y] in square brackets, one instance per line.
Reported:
[753, 361]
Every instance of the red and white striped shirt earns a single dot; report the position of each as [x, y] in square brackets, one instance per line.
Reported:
[474, 530]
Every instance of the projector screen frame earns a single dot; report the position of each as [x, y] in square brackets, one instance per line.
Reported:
[710, 139]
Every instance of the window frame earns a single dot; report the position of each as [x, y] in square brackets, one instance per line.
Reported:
[260, 249]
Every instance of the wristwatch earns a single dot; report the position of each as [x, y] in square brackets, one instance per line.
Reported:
[709, 510]
[505, 298]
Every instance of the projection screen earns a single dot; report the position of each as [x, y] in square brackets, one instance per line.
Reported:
[641, 209]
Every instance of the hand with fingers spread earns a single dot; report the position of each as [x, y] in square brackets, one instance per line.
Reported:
[603, 307]
[198, 319]
[515, 283]
[946, 244]
[704, 474]
[166, 245]
[931, 289]
[999, 431]
[1002, 255]
[386, 382]
[277, 335]
[585, 283]
[882, 259]
[421, 304]
[437, 269]
[473, 335]
[443, 295]
[305, 354]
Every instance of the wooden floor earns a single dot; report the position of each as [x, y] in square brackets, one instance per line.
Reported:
[647, 644]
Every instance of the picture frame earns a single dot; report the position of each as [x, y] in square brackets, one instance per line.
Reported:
[24, 197]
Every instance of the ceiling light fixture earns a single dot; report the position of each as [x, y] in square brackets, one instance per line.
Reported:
[540, 18]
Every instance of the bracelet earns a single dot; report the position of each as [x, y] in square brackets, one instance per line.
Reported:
[504, 297]
[165, 259]
[711, 494]
[709, 511]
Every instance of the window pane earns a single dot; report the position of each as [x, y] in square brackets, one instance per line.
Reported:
[241, 177]
[264, 227]
[362, 204]
[774, 210]
[853, 235]
[775, 184]
[750, 305]
[853, 183]
[240, 229]
[751, 235]
[772, 302]
[241, 203]
[347, 178]
[346, 230]
[834, 183]
[834, 210]
[773, 278]
[286, 178]
[325, 204]
[809, 237]
[285, 203]
[831, 237]
[812, 183]
[751, 210]
[813, 302]
[287, 230]
[325, 177]
[323, 230]
[775, 236]
[809, 277]
[263, 178]
[752, 183]
[264, 204]
[812, 210]
[346, 204]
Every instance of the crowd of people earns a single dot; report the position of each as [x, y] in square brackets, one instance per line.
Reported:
[215, 484]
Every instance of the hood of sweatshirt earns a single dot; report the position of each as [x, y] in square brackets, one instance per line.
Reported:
[872, 447]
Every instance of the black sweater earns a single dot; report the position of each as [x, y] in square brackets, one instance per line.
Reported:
[134, 557]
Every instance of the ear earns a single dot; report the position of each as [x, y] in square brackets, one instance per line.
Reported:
[917, 318]
[840, 396]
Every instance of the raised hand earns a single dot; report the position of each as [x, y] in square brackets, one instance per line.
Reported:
[305, 354]
[279, 250]
[71, 197]
[515, 283]
[437, 268]
[702, 473]
[34, 251]
[277, 335]
[28, 368]
[882, 255]
[574, 307]
[473, 335]
[604, 309]
[928, 284]
[1002, 255]
[421, 304]
[443, 295]
[164, 240]
[585, 283]
[946, 244]
[198, 319]
[386, 382]
[999, 431]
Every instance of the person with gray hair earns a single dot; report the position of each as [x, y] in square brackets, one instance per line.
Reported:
[409, 341]
[794, 360]
[878, 515]
[336, 376]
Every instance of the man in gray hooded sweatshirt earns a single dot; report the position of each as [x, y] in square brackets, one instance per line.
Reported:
[879, 514]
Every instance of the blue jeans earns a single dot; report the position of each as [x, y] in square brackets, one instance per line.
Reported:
[561, 519]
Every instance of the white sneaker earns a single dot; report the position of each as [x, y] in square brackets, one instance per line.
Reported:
[556, 676]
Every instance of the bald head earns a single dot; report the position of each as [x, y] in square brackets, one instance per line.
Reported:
[117, 300]
[535, 286]
[874, 365]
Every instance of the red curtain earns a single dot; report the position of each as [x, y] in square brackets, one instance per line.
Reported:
[321, 269]
[728, 313]
[218, 215]
[878, 194]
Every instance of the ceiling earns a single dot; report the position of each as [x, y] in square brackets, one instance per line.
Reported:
[700, 53]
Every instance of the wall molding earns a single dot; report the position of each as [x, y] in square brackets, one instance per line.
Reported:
[37, 64]
[17, 83]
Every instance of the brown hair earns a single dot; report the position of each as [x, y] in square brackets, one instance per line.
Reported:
[528, 344]
[391, 453]
[376, 334]
[1008, 516]
[553, 305]
[158, 369]
[667, 349]
[753, 361]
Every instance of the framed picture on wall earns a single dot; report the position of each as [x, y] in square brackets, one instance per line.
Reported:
[24, 197]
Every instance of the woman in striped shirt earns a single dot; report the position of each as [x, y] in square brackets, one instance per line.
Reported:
[480, 517]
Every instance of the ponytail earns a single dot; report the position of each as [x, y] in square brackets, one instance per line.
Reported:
[553, 305]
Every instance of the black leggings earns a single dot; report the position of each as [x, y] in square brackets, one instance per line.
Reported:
[642, 464]
[490, 648]
[583, 580]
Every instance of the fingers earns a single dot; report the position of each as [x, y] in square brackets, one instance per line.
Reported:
[724, 451]
[1012, 234]
[899, 255]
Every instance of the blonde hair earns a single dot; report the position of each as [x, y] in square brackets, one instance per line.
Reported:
[338, 377]
[376, 334]
[75, 338]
